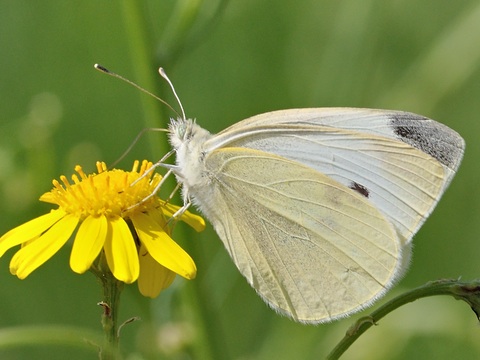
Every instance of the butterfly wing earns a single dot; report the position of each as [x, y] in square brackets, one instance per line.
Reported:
[400, 161]
[312, 248]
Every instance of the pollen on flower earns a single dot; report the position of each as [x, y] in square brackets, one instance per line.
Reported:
[108, 193]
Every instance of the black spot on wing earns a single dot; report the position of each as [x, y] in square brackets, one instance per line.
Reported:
[362, 190]
[431, 137]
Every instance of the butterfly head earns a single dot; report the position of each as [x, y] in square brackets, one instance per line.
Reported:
[188, 140]
[180, 132]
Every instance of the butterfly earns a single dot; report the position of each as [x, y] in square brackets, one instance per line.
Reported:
[317, 207]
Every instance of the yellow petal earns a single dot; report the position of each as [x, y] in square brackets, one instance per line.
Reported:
[88, 243]
[195, 221]
[31, 256]
[161, 246]
[121, 251]
[29, 230]
[153, 277]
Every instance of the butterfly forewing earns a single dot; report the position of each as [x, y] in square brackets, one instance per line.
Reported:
[360, 148]
[427, 135]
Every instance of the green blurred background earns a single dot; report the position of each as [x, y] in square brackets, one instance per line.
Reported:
[228, 61]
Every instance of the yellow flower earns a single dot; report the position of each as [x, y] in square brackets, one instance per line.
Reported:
[109, 215]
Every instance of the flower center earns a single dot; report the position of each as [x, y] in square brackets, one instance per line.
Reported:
[109, 193]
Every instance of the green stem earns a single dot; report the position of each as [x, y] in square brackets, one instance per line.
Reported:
[112, 289]
[174, 38]
[142, 55]
[466, 291]
[210, 341]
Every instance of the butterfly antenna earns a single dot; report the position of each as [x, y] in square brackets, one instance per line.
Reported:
[134, 142]
[108, 72]
[164, 75]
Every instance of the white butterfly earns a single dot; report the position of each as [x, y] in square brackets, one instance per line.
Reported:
[317, 207]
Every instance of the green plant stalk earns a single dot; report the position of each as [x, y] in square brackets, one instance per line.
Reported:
[142, 56]
[144, 67]
[210, 342]
[112, 288]
[466, 291]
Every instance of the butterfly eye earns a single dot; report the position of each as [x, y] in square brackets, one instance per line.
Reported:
[181, 131]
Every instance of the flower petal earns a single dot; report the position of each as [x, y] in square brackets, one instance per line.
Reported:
[88, 243]
[121, 251]
[29, 230]
[153, 277]
[195, 221]
[31, 256]
[161, 246]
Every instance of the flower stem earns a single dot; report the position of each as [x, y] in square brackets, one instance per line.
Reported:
[112, 289]
[466, 291]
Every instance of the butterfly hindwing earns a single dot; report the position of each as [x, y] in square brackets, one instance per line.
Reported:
[312, 248]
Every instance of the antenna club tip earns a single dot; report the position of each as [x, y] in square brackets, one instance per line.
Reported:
[164, 75]
[101, 68]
